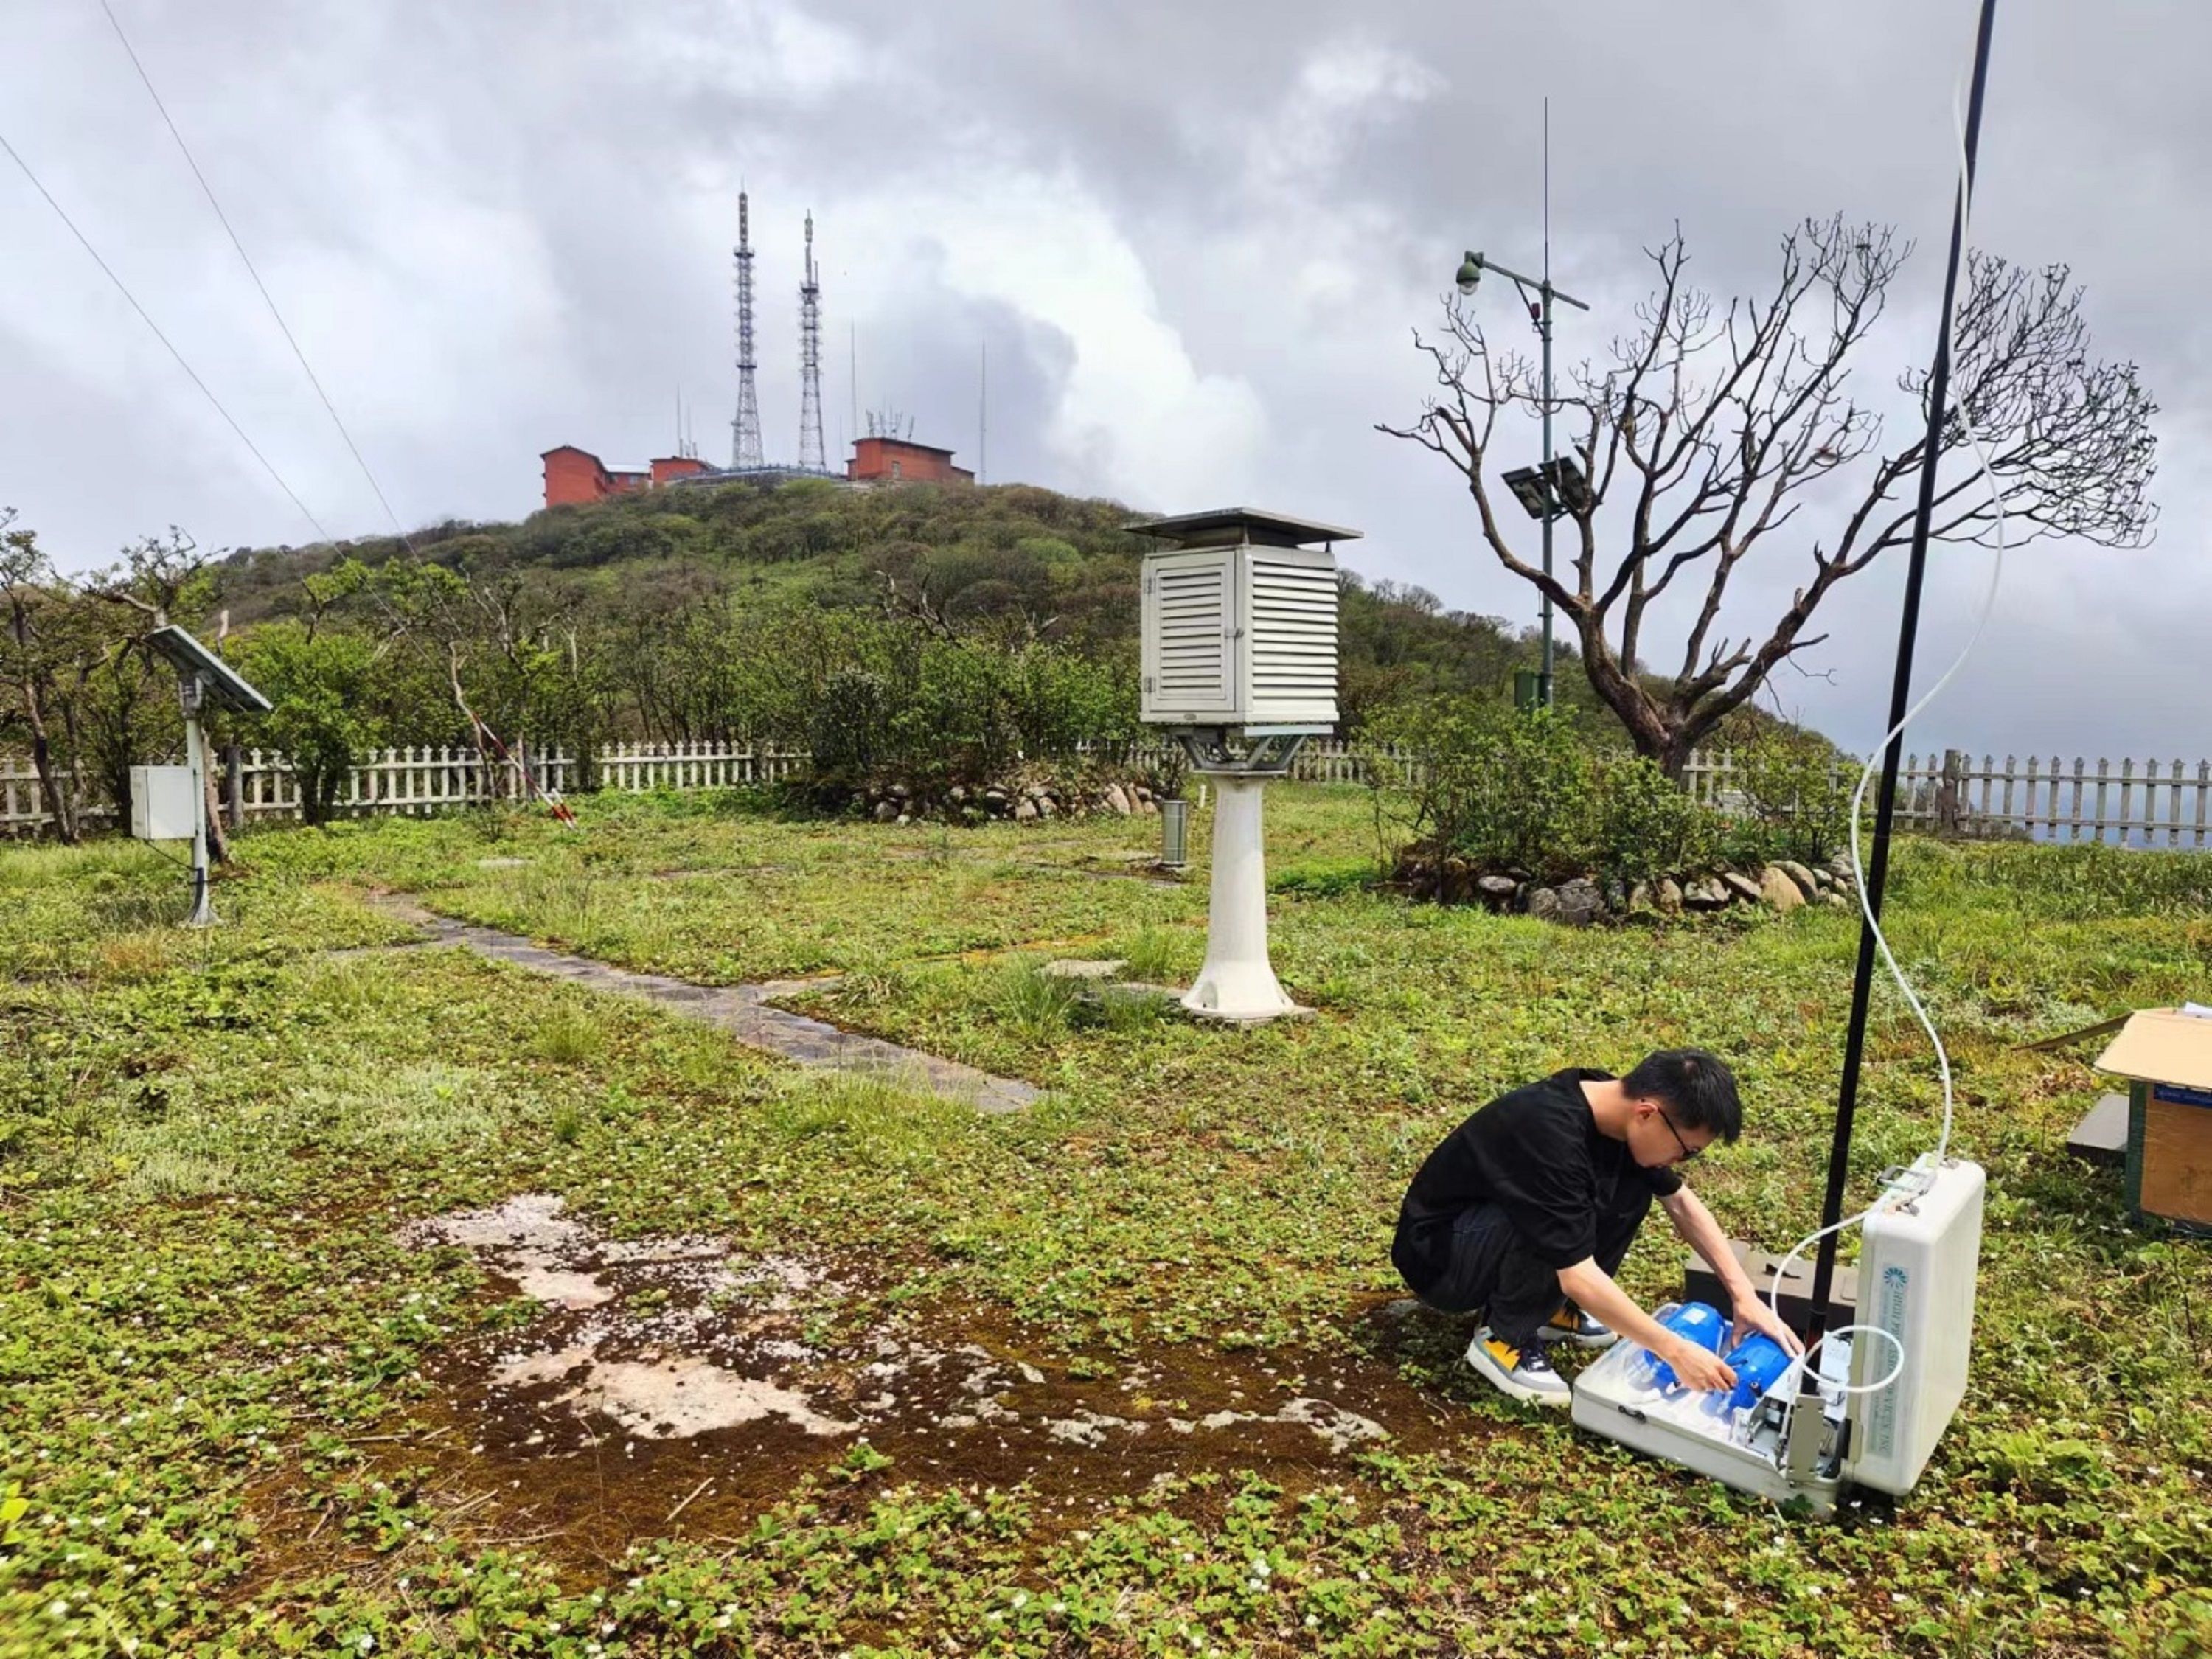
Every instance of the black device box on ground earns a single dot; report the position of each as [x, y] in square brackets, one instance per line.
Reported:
[1701, 1284]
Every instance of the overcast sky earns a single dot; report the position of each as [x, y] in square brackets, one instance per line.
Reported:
[1192, 242]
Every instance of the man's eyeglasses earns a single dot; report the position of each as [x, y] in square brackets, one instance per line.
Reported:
[1688, 1151]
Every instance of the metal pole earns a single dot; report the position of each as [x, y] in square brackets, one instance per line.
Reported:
[1900, 700]
[1550, 504]
[1551, 492]
[191, 693]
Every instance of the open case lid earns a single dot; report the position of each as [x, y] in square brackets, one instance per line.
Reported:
[2162, 1045]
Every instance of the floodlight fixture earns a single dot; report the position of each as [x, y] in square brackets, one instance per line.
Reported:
[1557, 487]
[1529, 485]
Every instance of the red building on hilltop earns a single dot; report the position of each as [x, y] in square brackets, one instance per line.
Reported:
[895, 460]
[574, 475]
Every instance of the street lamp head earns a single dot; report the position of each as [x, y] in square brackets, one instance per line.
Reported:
[1470, 272]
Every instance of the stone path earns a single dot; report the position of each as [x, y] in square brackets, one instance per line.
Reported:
[746, 1012]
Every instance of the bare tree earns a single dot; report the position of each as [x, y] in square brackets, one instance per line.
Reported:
[31, 662]
[1714, 429]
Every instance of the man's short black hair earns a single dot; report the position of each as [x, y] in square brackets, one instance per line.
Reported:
[1697, 1089]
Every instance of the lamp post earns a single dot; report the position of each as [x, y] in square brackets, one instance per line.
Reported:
[1544, 502]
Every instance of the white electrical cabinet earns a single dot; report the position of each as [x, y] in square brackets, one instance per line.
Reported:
[1916, 1274]
[161, 803]
[1239, 629]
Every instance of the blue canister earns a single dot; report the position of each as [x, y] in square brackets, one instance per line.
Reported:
[1694, 1321]
[1758, 1362]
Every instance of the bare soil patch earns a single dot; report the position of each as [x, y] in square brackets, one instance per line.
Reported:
[670, 1386]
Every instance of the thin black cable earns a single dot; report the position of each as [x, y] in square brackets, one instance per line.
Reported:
[84, 242]
[247, 259]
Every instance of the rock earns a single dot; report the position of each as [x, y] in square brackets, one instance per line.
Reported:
[1822, 881]
[1025, 811]
[1668, 897]
[1116, 801]
[1580, 902]
[1705, 895]
[898, 791]
[957, 793]
[1078, 968]
[903, 818]
[1779, 890]
[1616, 897]
[1046, 806]
[995, 796]
[1839, 865]
[1496, 890]
[886, 812]
[1543, 904]
[1809, 884]
[1838, 900]
[1639, 899]
[1742, 886]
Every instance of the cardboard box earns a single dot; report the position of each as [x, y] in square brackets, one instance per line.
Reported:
[2167, 1055]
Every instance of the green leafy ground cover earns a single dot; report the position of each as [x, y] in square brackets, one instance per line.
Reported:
[231, 1421]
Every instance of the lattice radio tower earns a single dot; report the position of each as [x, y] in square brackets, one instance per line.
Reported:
[744, 431]
[812, 458]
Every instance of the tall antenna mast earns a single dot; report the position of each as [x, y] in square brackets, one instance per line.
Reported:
[811, 456]
[744, 431]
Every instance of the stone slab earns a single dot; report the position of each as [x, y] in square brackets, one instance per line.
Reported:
[2102, 1136]
[744, 1011]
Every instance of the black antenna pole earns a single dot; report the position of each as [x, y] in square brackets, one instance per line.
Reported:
[1900, 700]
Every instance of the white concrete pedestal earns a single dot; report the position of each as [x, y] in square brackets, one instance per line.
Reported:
[1236, 984]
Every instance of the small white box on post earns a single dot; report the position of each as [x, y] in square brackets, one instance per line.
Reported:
[162, 807]
[1238, 664]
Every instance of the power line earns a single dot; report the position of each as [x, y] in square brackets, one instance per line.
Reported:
[245, 259]
[193, 373]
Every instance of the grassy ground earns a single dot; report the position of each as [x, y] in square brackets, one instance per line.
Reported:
[242, 1415]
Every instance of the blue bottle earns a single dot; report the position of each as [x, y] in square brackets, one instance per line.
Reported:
[1758, 1362]
[1695, 1321]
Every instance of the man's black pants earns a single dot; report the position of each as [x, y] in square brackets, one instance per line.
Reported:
[1489, 1267]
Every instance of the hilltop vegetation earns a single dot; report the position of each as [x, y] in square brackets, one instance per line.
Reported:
[916, 633]
[1010, 565]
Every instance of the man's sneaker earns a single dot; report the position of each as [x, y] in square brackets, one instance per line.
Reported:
[1524, 1373]
[1571, 1324]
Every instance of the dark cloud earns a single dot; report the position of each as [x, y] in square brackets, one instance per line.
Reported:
[1194, 237]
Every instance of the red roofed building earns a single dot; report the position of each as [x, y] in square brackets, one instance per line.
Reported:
[574, 476]
[894, 460]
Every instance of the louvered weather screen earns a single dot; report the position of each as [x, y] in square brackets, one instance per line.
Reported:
[1188, 634]
[1239, 622]
[1292, 639]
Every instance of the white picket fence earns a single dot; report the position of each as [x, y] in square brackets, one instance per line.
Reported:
[639, 766]
[2132, 804]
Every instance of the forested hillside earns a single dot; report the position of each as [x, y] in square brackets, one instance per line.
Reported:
[661, 587]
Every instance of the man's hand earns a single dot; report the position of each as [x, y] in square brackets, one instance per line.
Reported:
[1695, 1368]
[1753, 1314]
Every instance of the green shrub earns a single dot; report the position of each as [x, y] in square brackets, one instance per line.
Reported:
[1798, 786]
[1502, 789]
[1648, 825]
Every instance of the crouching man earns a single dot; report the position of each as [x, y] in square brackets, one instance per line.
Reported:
[1522, 1215]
